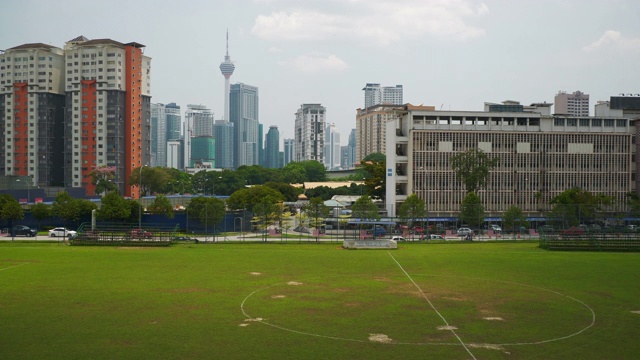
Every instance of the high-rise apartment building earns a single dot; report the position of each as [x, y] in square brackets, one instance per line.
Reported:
[374, 94]
[371, 128]
[243, 113]
[32, 104]
[288, 154]
[105, 89]
[309, 133]
[108, 111]
[332, 147]
[575, 104]
[272, 148]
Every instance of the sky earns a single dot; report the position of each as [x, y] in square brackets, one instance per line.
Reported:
[452, 54]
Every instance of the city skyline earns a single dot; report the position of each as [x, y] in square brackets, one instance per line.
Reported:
[470, 52]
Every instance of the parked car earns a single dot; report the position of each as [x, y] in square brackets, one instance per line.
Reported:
[183, 238]
[496, 228]
[140, 234]
[398, 238]
[464, 231]
[574, 230]
[436, 237]
[62, 232]
[22, 230]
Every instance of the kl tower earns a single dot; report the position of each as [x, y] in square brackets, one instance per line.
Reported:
[227, 68]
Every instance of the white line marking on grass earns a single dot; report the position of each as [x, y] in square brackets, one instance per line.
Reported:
[11, 267]
[451, 328]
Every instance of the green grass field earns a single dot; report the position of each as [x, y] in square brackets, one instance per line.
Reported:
[297, 301]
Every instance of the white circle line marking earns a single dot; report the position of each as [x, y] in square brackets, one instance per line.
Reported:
[432, 306]
[11, 267]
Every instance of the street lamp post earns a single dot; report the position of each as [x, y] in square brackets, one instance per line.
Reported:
[28, 181]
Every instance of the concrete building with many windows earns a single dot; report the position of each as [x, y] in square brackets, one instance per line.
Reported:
[374, 94]
[309, 135]
[575, 104]
[82, 107]
[540, 156]
[32, 114]
[370, 134]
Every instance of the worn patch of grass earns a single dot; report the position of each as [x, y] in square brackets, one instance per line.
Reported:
[316, 301]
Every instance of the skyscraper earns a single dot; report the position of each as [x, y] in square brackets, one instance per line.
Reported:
[174, 121]
[243, 113]
[374, 94]
[227, 67]
[348, 156]
[576, 104]
[288, 151]
[332, 148]
[261, 145]
[224, 135]
[158, 135]
[272, 148]
[309, 133]
[198, 123]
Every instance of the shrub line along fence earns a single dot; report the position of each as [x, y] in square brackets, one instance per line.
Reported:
[125, 235]
[592, 241]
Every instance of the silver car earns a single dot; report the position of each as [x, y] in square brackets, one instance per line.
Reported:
[62, 232]
[465, 231]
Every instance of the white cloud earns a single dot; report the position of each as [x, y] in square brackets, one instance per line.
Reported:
[274, 50]
[384, 21]
[614, 39]
[316, 62]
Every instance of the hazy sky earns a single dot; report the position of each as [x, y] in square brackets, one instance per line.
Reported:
[453, 54]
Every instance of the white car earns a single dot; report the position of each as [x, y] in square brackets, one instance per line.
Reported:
[436, 237]
[398, 238]
[464, 231]
[60, 231]
[496, 228]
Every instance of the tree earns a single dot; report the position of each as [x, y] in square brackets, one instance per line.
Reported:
[365, 209]
[40, 211]
[316, 210]
[411, 209]
[113, 208]
[208, 210]
[315, 170]
[161, 205]
[10, 209]
[289, 192]
[471, 210]
[472, 167]
[154, 179]
[376, 157]
[576, 206]
[103, 179]
[513, 218]
[248, 198]
[70, 209]
[294, 173]
[375, 178]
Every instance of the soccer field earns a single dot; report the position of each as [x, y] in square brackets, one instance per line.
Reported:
[296, 301]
